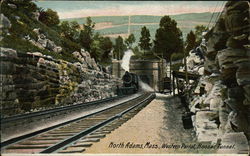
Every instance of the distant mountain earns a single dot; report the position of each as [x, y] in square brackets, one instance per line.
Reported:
[114, 26]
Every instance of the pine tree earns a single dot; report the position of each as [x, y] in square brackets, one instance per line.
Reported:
[119, 48]
[130, 40]
[86, 35]
[190, 41]
[144, 42]
[168, 38]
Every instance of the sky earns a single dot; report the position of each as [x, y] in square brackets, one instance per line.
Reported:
[76, 9]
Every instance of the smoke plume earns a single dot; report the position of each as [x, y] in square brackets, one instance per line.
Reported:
[126, 59]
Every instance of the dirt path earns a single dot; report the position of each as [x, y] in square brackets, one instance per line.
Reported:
[157, 124]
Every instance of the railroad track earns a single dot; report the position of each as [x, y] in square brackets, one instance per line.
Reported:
[10, 126]
[78, 134]
[56, 110]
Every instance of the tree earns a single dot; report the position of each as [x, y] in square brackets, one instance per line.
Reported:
[168, 38]
[49, 17]
[130, 40]
[86, 35]
[190, 41]
[144, 42]
[198, 33]
[136, 51]
[100, 49]
[106, 46]
[95, 50]
[119, 48]
[70, 30]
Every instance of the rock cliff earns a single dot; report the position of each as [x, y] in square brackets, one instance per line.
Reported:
[223, 112]
[33, 81]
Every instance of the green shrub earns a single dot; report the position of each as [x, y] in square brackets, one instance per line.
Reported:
[177, 56]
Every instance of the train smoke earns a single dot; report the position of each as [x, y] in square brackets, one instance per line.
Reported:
[126, 59]
[145, 86]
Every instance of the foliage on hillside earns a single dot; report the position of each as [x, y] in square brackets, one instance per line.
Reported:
[119, 24]
[116, 20]
[23, 22]
[71, 37]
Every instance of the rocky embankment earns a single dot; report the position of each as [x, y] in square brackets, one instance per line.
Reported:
[33, 81]
[40, 69]
[223, 110]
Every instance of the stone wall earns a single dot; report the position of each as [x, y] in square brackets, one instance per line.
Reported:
[33, 81]
[223, 112]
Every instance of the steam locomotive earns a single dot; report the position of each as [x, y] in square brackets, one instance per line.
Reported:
[130, 84]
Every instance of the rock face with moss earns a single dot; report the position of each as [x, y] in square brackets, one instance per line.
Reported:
[222, 113]
[34, 81]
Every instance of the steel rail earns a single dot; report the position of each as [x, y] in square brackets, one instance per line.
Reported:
[55, 110]
[81, 134]
[32, 134]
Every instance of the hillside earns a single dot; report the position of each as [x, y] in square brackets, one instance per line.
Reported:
[118, 25]
[22, 27]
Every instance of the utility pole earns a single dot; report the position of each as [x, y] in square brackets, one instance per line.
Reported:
[186, 72]
[170, 73]
[128, 25]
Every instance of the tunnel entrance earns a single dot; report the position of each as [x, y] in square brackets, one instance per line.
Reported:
[145, 79]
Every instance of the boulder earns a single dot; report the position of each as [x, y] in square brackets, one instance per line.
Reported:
[236, 122]
[7, 68]
[223, 117]
[94, 65]
[229, 55]
[217, 37]
[236, 42]
[41, 61]
[7, 52]
[77, 55]
[210, 66]
[27, 37]
[35, 53]
[214, 98]
[43, 42]
[85, 53]
[243, 71]
[247, 95]
[37, 31]
[36, 44]
[206, 128]
[17, 17]
[50, 45]
[237, 141]
[201, 70]
[13, 6]
[235, 21]
[6, 24]
[57, 49]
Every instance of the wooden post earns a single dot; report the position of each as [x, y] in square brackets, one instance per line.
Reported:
[119, 69]
[177, 85]
[186, 72]
[173, 84]
[170, 74]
